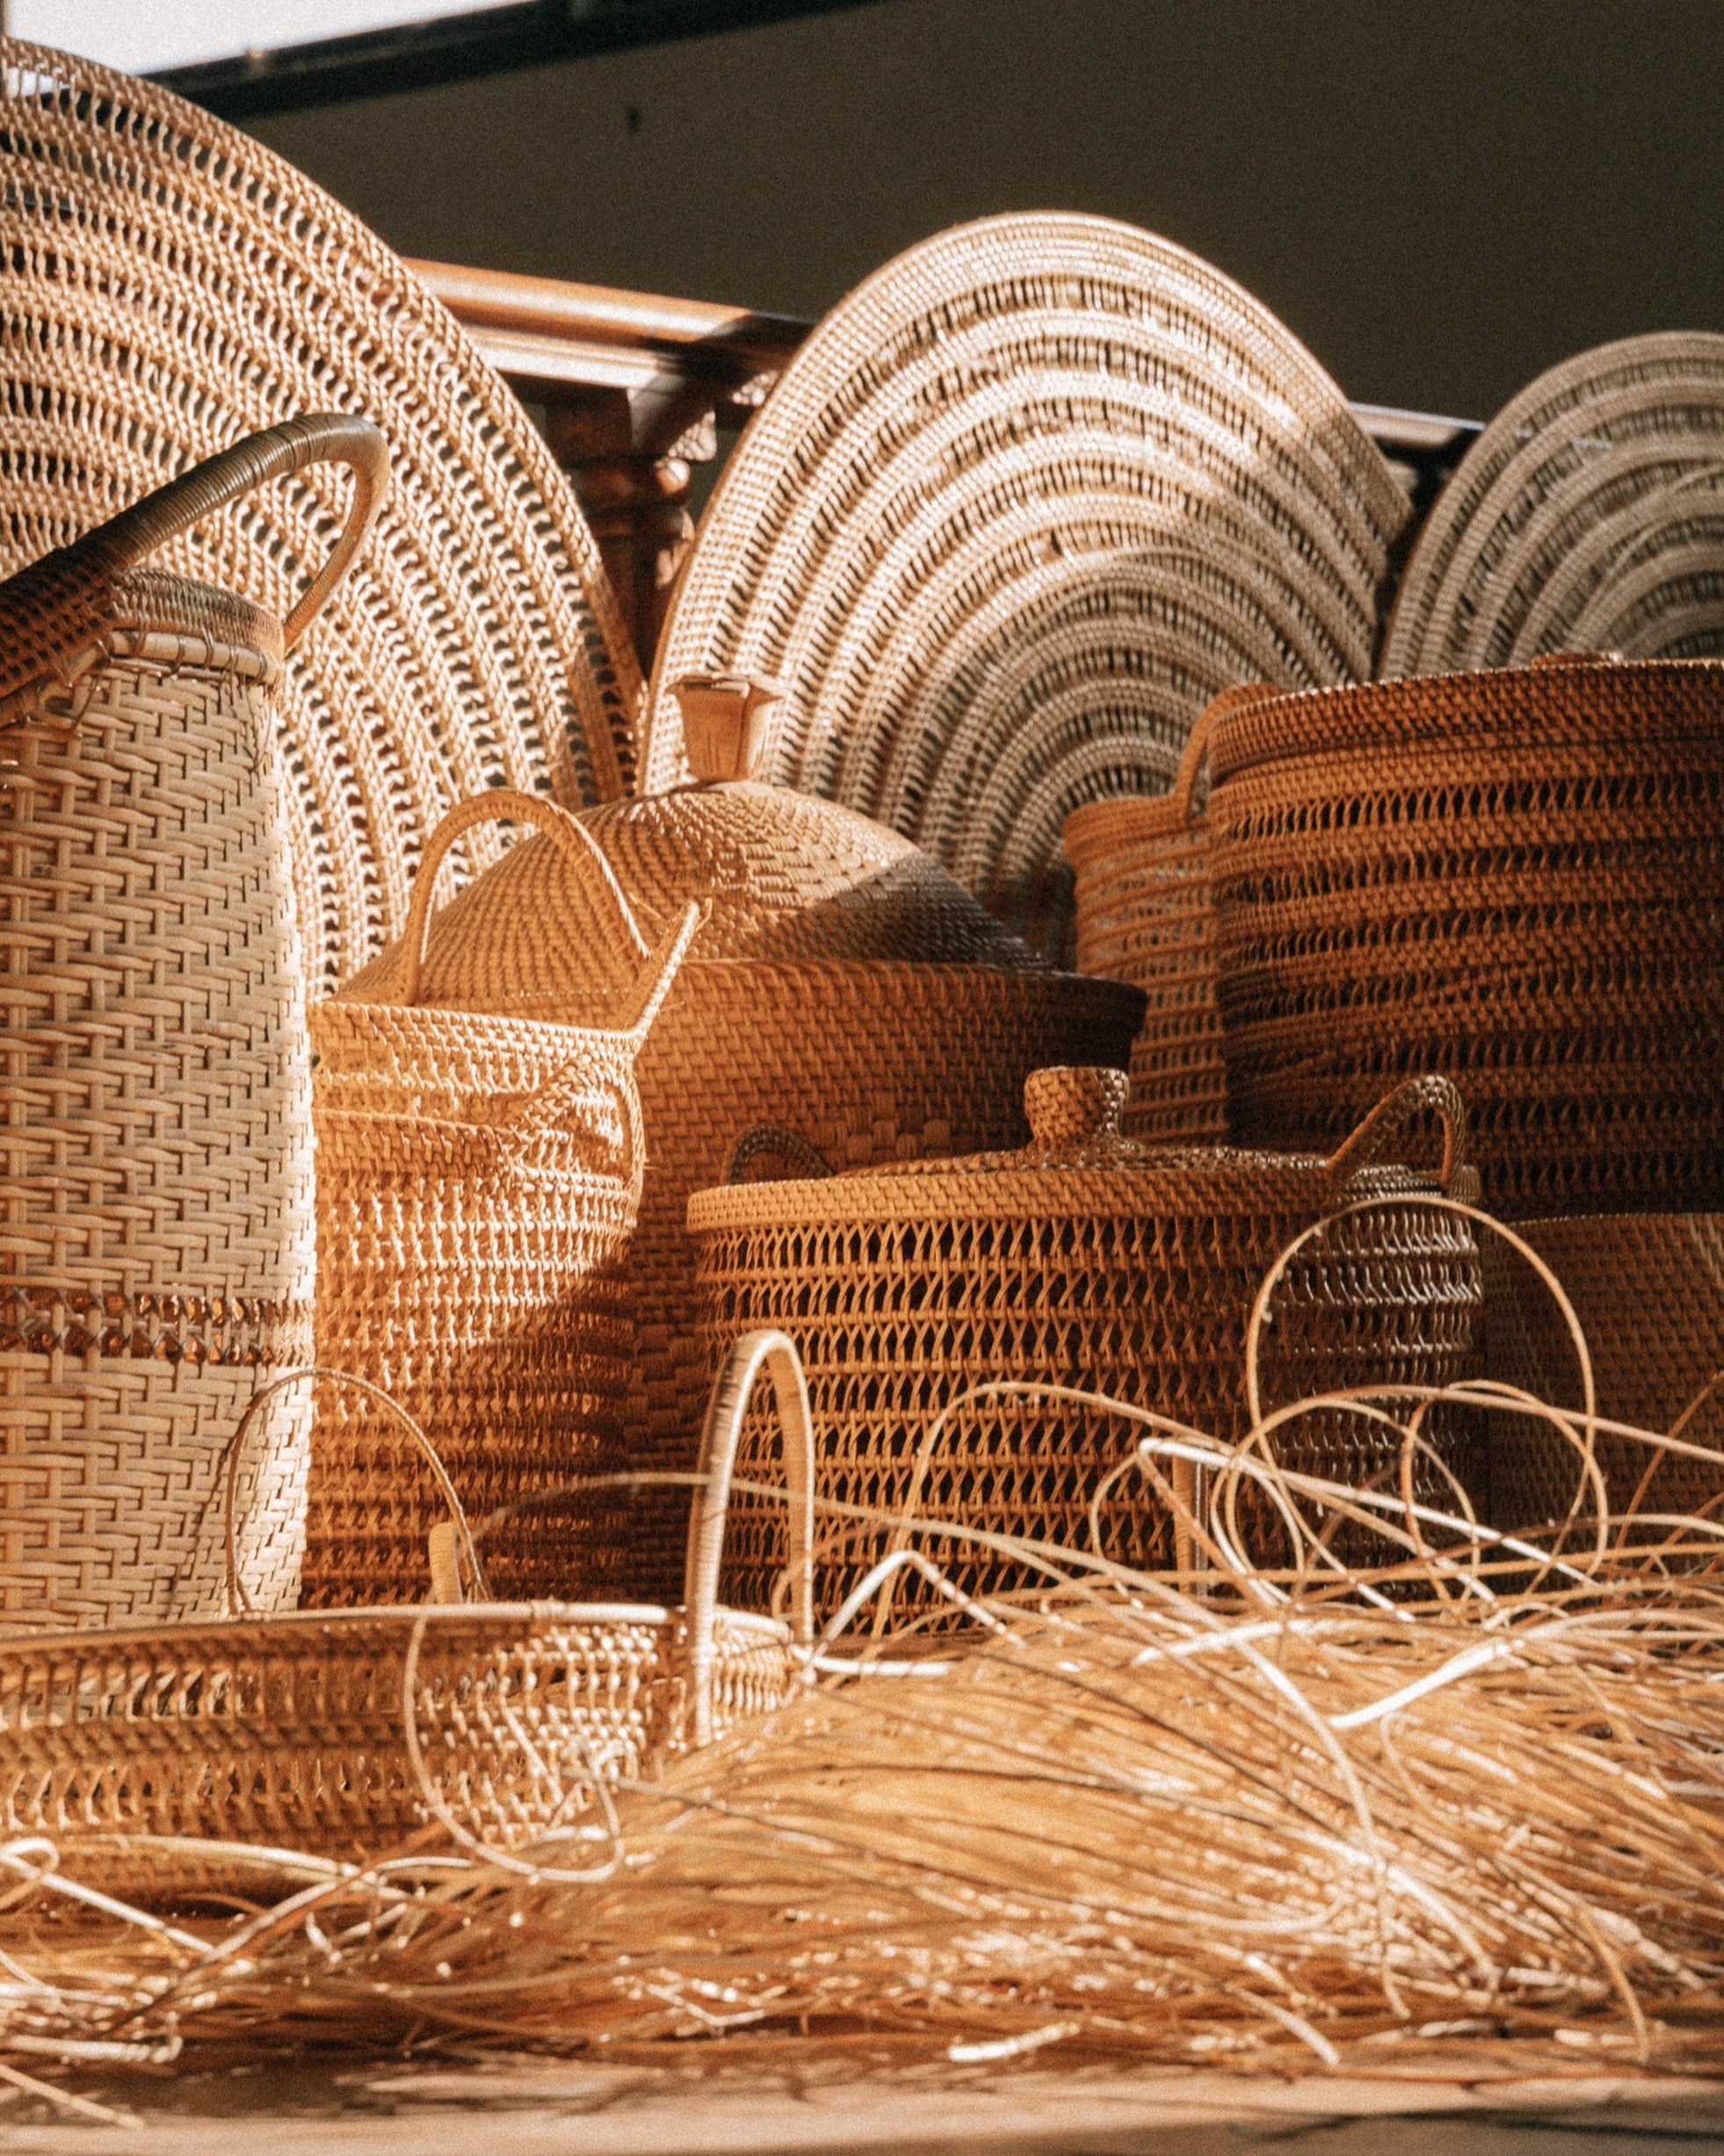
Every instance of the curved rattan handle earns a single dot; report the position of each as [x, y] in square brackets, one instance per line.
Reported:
[775, 1354]
[503, 805]
[320, 438]
[238, 1600]
[1420, 1096]
[811, 1164]
[1196, 753]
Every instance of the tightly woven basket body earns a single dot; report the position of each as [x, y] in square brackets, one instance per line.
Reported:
[1511, 877]
[1648, 1291]
[156, 1251]
[1090, 1262]
[478, 1182]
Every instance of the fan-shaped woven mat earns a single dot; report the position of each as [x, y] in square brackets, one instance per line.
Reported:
[1022, 503]
[169, 287]
[1589, 516]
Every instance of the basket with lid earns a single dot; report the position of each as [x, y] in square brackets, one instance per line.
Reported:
[157, 1248]
[1089, 1261]
[843, 986]
[478, 1180]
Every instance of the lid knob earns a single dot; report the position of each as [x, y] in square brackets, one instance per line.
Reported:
[1073, 1104]
[724, 723]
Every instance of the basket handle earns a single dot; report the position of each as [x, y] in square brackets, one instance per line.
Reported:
[319, 438]
[1179, 794]
[774, 1353]
[776, 1139]
[501, 805]
[1419, 1096]
[238, 1600]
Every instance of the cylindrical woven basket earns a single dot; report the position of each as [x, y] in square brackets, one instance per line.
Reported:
[478, 1182]
[156, 1251]
[1648, 1291]
[341, 1733]
[1091, 1262]
[1512, 878]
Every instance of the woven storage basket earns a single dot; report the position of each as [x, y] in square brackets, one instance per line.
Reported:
[478, 1180]
[1512, 877]
[298, 1732]
[844, 985]
[1146, 914]
[1648, 1291]
[1093, 1262]
[156, 1249]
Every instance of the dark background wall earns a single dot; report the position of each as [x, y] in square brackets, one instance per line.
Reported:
[1441, 201]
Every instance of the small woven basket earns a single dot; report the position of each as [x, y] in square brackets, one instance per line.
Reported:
[1091, 1262]
[478, 1182]
[157, 1248]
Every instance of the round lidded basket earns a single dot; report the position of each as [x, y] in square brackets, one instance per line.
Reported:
[1508, 877]
[1092, 1262]
[158, 1250]
[478, 1182]
[843, 986]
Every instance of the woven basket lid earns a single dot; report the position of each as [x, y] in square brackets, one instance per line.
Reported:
[170, 286]
[1587, 516]
[1022, 503]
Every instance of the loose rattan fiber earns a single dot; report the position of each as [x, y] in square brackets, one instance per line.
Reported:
[1589, 516]
[1510, 877]
[1025, 500]
[1090, 1262]
[171, 285]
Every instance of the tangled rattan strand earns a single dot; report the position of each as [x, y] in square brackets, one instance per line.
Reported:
[169, 285]
[1589, 516]
[1512, 876]
[1024, 502]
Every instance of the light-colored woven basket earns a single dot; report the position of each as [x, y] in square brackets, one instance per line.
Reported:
[478, 1179]
[156, 1247]
[342, 1733]
[1086, 1261]
[171, 285]
[843, 984]
[1589, 516]
[1024, 502]
[1511, 877]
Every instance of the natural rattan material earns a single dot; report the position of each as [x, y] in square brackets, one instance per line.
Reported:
[478, 1180]
[1022, 503]
[1086, 1261]
[171, 285]
[1511, 877]
[1589, 516]
[157, 1244]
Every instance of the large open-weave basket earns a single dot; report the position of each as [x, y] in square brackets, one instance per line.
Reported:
[1092, 1262]
[1508, 877]
[478, 1182]
[156, 1251]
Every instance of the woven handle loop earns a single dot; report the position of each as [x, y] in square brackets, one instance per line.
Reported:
[504, 805]
[775, 1354]
[769, 1141]
[319, 438]
[1420, 1096]
[1180, 793]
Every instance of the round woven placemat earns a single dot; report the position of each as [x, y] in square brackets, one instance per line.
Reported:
[1022, 503]
[1589, 516]
[171, 285]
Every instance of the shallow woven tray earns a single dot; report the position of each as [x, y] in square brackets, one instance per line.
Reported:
[1024, 502]
[170, 286]
[1589, 516]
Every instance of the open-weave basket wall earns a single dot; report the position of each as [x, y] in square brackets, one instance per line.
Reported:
[1589, 516]
[173, 285]
[1508, 877]
[1025, 500]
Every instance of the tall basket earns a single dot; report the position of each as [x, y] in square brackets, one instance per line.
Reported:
[157, 1253]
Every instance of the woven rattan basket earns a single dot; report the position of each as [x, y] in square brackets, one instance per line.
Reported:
[844, 985]
[1086, 1261]
[341, 1733]
[156, 1251]
[478, 1182]
[1511, 877]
